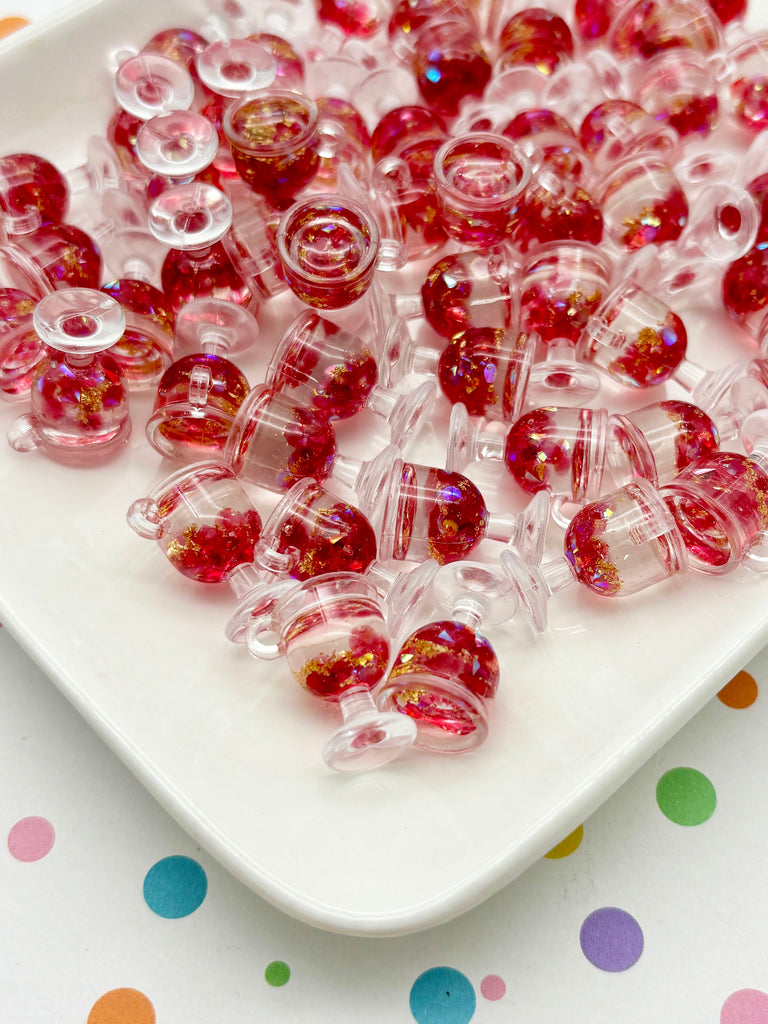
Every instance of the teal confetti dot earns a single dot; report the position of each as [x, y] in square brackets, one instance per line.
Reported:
[686, 796]
[442, 995]
[175, 886]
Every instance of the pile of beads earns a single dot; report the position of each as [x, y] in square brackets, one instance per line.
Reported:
[403, 204]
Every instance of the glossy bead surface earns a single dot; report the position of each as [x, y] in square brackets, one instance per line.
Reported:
[468, 289]
[202, 519]
[635, 338]
[274, 442]
[274, 141]
[624, 542]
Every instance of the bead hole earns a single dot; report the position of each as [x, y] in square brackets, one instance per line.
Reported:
[79, 326]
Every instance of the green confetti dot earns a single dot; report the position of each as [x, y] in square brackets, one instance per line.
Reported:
[277, 973]
[686, 796]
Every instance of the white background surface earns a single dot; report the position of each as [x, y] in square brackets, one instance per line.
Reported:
[76, 925]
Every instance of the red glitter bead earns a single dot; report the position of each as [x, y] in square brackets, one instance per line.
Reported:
[353, 17]
[745, 285]
[654, 355]
[592, 18]
[459, 290]
[532, 453]
[696, 435]
[450, 66]
[340, 539]
[468, 369]
[362, 663]
[226, 393]
[92, 399]
[182, 45]
[451, 650]
[536, 24]
[188, 275]
[207, 552]
[565, 211]
[28, 181]
[313, 443]
[68, 256]
[589, 554]
[458, 516]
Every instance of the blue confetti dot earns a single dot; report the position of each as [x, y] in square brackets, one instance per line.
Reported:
[442, 995]
[175, 886]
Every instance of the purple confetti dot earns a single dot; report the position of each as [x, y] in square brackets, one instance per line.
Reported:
[611, 939]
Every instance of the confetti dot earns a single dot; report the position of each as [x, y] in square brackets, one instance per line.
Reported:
[686, 796]
[442, 995]
[611, 939]
[277, 973]
[31, 838]
[9, 25]
[175, 886]
[740, 692]
[493, 987]
[567, 845]
[122, 1006]
[747, 1006]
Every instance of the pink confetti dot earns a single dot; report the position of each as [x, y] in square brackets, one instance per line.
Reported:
[746, 1006]
[493, 987]
[31, 838]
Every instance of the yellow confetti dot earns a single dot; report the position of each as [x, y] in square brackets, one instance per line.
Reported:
[567, 845]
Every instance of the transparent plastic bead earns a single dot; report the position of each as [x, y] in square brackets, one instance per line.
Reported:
[562, 284]
[20, 346]
[79, 399]
[634, 337]
[332, 632]
[148, 84]
[203, 520]
[328, 247]
[274, 442]
[334, 372]
[481, 179]
[200, 393]
[623, 543]
[720, 503]
[446, 673]
[421, 512]
[275, 142]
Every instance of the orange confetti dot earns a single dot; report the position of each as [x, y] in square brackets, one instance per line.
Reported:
[566, 847]
[122, 1006]
[8, 25]
[740, 692]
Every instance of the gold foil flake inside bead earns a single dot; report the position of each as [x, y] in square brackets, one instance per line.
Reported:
[258, 133]
[91, 402]
[407, 698]
[754, 486]
[176, 551]
[648, 340]
[330, 667]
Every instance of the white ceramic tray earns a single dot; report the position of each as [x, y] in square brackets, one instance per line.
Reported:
[231, 747]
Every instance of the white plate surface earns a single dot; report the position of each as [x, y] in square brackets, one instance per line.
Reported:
[231, 747]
